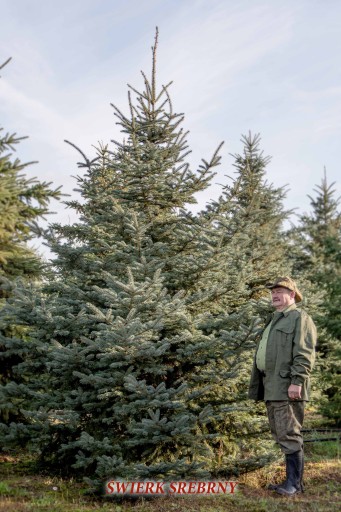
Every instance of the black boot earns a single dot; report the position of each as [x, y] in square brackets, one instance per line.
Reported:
[292, 484]
[273, 487]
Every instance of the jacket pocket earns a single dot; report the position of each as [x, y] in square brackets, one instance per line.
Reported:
[285, 373]
[286, 335]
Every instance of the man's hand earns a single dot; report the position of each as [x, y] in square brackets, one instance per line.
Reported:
[294, 391]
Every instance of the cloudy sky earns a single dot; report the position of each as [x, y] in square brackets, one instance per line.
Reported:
[267, 66]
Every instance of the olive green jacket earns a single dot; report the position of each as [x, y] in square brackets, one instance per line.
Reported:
[289, 358]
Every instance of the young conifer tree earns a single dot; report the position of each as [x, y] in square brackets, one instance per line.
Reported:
[250, 216]
[317, 238]
[245, 231]
[23, 202]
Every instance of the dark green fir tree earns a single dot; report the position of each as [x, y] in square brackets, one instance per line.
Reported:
[317, 242]
[245, 238]
[23, 202]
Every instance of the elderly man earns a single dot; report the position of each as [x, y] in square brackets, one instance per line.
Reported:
[280, 376]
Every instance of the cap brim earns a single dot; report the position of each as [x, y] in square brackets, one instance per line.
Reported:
[298, 297]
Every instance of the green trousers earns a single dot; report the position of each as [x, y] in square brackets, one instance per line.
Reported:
[286, 420]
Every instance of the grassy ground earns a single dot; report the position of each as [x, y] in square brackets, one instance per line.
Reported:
[23, 491]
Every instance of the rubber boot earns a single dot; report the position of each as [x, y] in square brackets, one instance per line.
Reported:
[273, 487]
[292, 485]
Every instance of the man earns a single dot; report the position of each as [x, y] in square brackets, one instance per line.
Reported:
[280, 376]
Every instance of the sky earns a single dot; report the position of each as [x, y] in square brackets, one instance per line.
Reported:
[269, 67]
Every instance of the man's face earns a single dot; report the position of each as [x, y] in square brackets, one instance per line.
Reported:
[282, 298]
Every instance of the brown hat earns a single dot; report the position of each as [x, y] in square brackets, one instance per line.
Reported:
[286, 282]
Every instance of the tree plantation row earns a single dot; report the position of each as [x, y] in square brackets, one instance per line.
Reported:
[129, 353]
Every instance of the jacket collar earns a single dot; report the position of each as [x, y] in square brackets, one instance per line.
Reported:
[292, 307]
[278, 314]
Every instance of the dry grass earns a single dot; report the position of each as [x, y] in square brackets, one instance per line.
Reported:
[22, 491]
